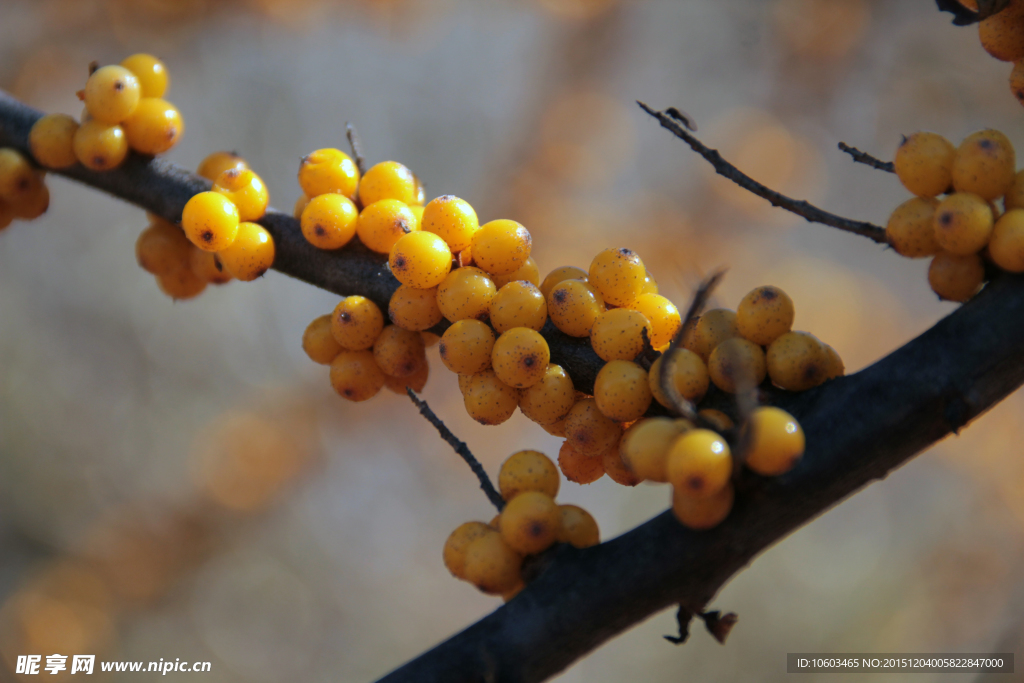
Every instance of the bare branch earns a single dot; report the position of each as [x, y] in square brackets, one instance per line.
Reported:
[865, 158]
[356, 146]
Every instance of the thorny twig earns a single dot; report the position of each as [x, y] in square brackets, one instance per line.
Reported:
[865, 158]
[356, 146]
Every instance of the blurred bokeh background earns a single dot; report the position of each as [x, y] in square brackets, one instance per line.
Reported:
[177, 480]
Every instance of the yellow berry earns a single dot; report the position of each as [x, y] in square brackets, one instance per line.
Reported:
[488, 400]
[650, 286]
[34, 204]
[111, 94]
[389, 180]
[318, 343]
[329, 221]
[181, 283]
[210, 221]
[100, 146]
[924, 164]
[663, 316]
[457, 544]
[699, 463]
[956, 278]
[218, 162]
[530, 522]
[617, 470]
[492, 566]
[399, 352]
[621, 390]
[911, 228]
[356, 322]
[466, 347]
[251, 254]
[574, 307]
[520, 357]
[561, 274]
[465, 293]
[618, 275]
[51, 141]
[501, 247]
[150, 71]
[154, 127]
[18, 180]
[590, 431]
[207, 266]
[1014, 198]
[776, 441]
[548, 400]
[518, 304]
[246, 190]
[1006, 247]
[618, 334]
[528, 272]
[383, 223]
[414, 309]
[963, 223]
[162, 248]
[420, 259]
[355, 375]
[528, 471]
[1002, 34]
[702, 513]
[711, 329]
[834, 366]
[765, 314]
[556, 428]
[719, 420]
[645, 446]
[579, 468]
[578, 527]
[797, 361]
[737, 365]
[452, 219]
[688, 372]
[329, 170]
[985, 164]
[416, 381]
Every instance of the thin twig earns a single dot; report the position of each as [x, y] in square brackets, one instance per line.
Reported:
[460, 447]
[800, 207]
[865, 158]
[356, 146]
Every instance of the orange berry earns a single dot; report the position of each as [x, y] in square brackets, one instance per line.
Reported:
[764, 315]
[111, 94]
[100, 146]
[618, 334]
[246, 190]
[699, 463]
[356, 376]
[51, 141]
[578, 527]
[452, 219]
[466, 347]
[985, 164]
[487, 399]
[688, 372]
[356, 322]
[579, 468]
[318, 343]
[416, 381]
[924, 164]
[520, 357]
[621, 390]
[528, 471]
[702, 513]
[618, 275]
[251, 254]
[492, 566]
[956, 278]
[911, 228]
[963, 223]
[329, 221]
[399, 352]
[383, 223]
[518, 304]
[561, 274]
[574, 307]
[528, 272]
[465, 293]
[663, 316]
[154, 127]
[389, 180]
[420, 259]
[501, 247]
[550, 399]
[776, 441]
[1002, 34]
[218, 162]
[617, 470]
[737, 365]
[414, 309]
[207, 266]
[797, 361]
[151, 72]
[162, 248]
[210, 221]
[457, 544]
[590, 431]
[1006, 247]
[645, 446]
[712, 328]
[329, 170]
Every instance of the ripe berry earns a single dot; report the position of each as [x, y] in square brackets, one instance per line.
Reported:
[834, 365]
[466, 347]
[416, 381]
[34, 204]
[737, 365]
[150, 71]
[488, 400]
[924, 164]
[414, 309]
[530, 522]
[1002, 34]
[111, 94]
[650, 286]
[383, 223]
[420, 259]
[492, 566]
[457, 544]
[797, 361]
[329, 170]
[663, 316]
[719, 420]
[561, 274]
[618, 275]
[218, 162]
[1017, 80]
[764, 315]
[590, 431]
[518, 304]
[578, 527]
[100, 146]
[712, 328]
[162, 248]
[154, 127]
[318, 343]
[1006, 247]
[452, 219]
[207, 266]
[776, 442]
[702, 513]
[210, 221]
[18, 180]
[300, 206]
[528, 272]
[181, 283]
[389, 180]
[911, 228]
[329, 221]
[688, 372]
[465, 293]
[356, 323]
[617, 470]
[574, 307]
[577, 467]
[963, 223]
[51, 141]
[399, 352]
[550, 399]
[645, 446]
[556, 428]
[621, 390]
[246, 190]
[528, 471]
[520, 357]
[956, 278]
[355, 375]
[618, 334]
[251, 254]
[984, 164]
[699, 463]
[501, 247]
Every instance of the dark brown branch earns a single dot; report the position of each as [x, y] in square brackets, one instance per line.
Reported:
[356, 146]
[865, 158]
[460, 447]
[802, 208]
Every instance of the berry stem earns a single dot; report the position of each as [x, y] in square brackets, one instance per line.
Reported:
[357, 147]
[865, 158]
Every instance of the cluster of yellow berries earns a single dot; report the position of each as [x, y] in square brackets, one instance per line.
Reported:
[1002, 36]
[23, 191]
[490, 556]
[968, 226]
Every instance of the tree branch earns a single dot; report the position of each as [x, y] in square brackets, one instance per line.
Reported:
[865, 158]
